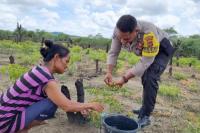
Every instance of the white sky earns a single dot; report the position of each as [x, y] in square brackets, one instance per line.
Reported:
[89, 17]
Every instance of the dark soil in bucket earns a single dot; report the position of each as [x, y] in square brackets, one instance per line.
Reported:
[119, 124]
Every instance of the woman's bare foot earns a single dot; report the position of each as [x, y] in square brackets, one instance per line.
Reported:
[37, 123]
[33, 124]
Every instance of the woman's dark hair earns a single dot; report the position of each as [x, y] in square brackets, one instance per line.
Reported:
[50, 49]
[126, 23]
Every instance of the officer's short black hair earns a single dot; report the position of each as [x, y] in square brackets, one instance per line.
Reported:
[126, 23]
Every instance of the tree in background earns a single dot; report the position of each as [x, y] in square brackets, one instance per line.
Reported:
[19, 32]
[189, 46]
[5, 34]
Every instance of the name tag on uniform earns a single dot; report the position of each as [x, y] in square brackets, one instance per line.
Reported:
[150, 45]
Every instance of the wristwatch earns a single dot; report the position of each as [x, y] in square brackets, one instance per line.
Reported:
[125, 79]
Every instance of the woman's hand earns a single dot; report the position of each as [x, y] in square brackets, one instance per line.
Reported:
[85, 112]
[96, 106]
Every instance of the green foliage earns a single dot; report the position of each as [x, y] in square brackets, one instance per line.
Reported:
[171, 31]
[183, 61]
[113, 103]
[133, 59]
[14, 71]
[27, 53]
[120, 64]
[3, 70]
[193, 87]
[190, 46]
[71, 69]
[130, 57]
[94, 42]
[125, 92]
[35, 36]
[5, 34]
[197, 67]
[61, 37]
[27, 45]
[98, 55]
[76, 54]
[31, 59]
[95, 118]
[105, 96]
[108, 91]
[75, 57]
[169, 91]
[186, 46]
[179, 76]
[192, 123]
[76, 49]
[191, 128]
[123, 55]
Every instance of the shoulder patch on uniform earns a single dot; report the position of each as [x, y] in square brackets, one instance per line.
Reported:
[151, 45]
[114, 36]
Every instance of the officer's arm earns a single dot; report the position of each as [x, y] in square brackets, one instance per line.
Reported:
[113, 54]
[150, 50]
[139, 68]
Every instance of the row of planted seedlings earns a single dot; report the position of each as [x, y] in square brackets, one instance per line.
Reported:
[25, 55]
[98, 57]
[12, 71]
[111, 98]
[77, 54]
[178, 98]
[190, 65]
[125, 61]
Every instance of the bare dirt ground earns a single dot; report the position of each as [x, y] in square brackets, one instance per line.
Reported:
[169, 116]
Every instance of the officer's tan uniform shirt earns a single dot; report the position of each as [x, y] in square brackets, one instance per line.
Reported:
[145, 61]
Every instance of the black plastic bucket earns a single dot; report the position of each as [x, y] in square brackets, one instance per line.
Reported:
[119, 124]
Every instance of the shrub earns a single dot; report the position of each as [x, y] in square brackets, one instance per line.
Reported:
[76, 49]
[169, 91]
[14, 71]
[180, 76]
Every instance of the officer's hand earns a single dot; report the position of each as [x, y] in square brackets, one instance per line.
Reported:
[108, 79]
[119, 83]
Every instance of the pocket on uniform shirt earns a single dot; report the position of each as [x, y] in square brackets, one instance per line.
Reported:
[166, 47]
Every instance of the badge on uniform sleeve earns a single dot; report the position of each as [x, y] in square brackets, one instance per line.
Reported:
[150, 45]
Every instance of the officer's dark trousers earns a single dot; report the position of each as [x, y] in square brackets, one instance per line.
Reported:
[152, 75]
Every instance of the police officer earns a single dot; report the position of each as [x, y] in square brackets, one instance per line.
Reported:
[152, 44]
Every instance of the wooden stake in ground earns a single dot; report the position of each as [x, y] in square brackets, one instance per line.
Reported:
[12, 59]
[97, 65]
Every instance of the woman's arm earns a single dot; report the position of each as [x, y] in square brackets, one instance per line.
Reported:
[54, 93]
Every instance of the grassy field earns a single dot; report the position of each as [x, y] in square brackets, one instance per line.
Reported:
[178, 102]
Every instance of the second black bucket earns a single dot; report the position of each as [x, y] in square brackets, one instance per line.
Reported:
[119, 124]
